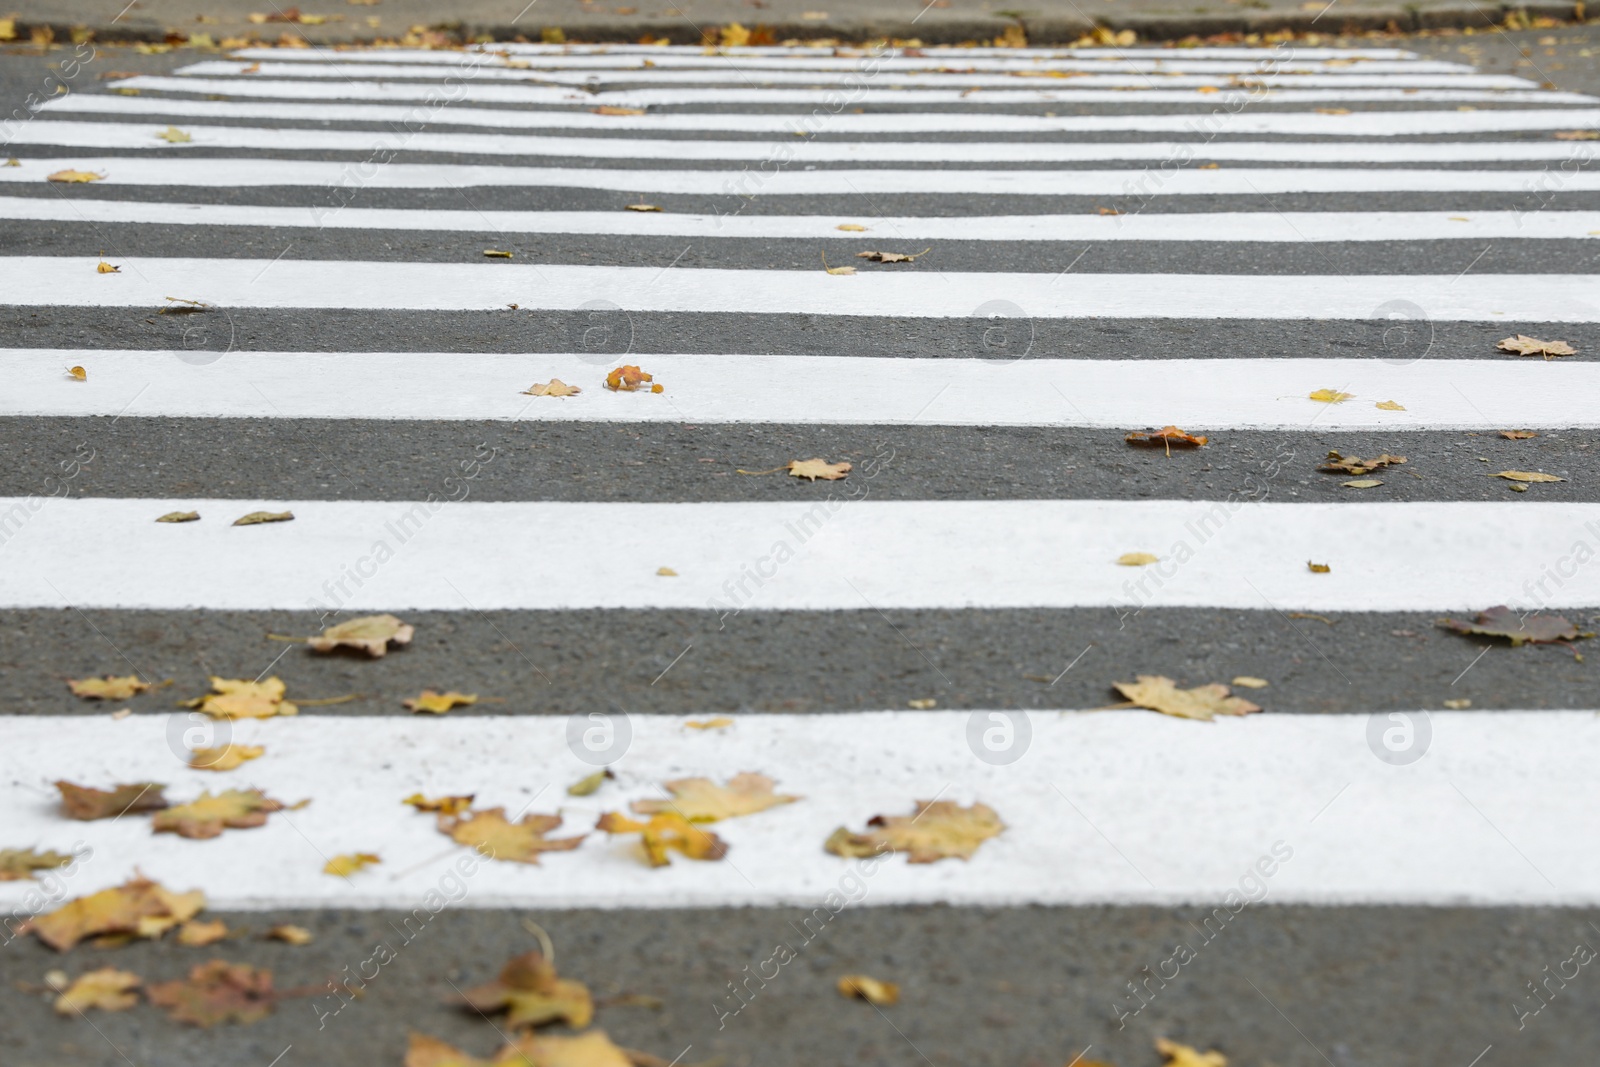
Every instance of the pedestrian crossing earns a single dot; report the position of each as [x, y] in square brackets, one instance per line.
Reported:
[298, 278]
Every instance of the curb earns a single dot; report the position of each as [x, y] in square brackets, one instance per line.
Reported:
[1046, 30]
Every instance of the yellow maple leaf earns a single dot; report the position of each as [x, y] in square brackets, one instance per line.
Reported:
[370, 634]
[851, 227]
[1388, 405]
[237, 698]
[1314, 568]
[936, 830]
[1177, 1055]
[349, 863]
[703, 800]
[640, 207]
[1527, 476]
[107, 989]
[75, 176]
[210, 813]
[139, 907]
[453, 805]
[196, 934]
[111, 687]
[589, 784]
[228, 757]
[877, 993]
[529, 991]
[173, 135]
[665, 832]
[629, 379]
[718, 723]
[290, 934]
[1330, 396]
[735, 36]
[554, 387]
[439, 703]
[812, 469]
[494, 836]
[835, 270]
[1137, 559]
[528, 1049]
[106, 268]
[1159, 693]
[18, 865]
[1523, 345]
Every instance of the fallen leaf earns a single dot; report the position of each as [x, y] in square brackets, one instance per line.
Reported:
[606, 109]
[256, 518]
[589, 784]
[664, 832]
[107, 989]
[892, 257]
[110, 687]
[18, 865]
[1459, 704]
[1362, 483]
[209, 814]
[1309, 615]
[139, 907]
[197, 934]
[703, 800]
[173, 135]
[371, 634]
[180, 516]
[12, 162]
[628, 379]
[289, 934]
[851, 227]
[1333, 111]
[1527, 476]
[439, 703]
[75, 176]
[495, 253]
[934, 831]
[78, 374]
[81, 802]
[531, 994]
[528, 1049]
[1107, 211]
[717, 723]
[554, 387]
[1330, 396]
[1338, 464]
[1137, 559]
[518, 842]
[1183, 1056]
[640, 207]
[236, 698]
[878, 994]
[1577, 135]
[349, 863]
[1159, 693]
[812, 469]
[1517, 435]
[1531, 629]
[1246, 681]
[228, 757]
[734, 36]
[924, 704]
[835, 270]
[454, 805]
[1317, 568]
[666, 572]
[1523, 345]
[217, 992]
[1168, 436]
[177, 305]
[106, 268]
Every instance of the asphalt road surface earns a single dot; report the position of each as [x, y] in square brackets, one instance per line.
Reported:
[1390, 866]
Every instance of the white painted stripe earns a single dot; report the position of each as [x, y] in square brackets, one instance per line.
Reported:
[1232, 226]
[1102, 808]
[1202, 395]
[122, 136]
[1263, 54]
[1224, 98]
[851, 553]
[434, 107]
[855, 79]
[47, 281]
[1135, 184]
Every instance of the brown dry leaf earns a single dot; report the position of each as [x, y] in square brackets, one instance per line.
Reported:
[1527, 476]
[1333, 111]
[1168, 436]
[1388, 405]
[1338, 464]
[1523, 345]
[1137, 559]
[893, 257]
[1177, 1055]
[703, 800]
[934, 831]
[82, 802]
[1577, 135]
[75, 176]
[18, 864]
[180, 516]
[511, 842]
[236, 698]
[343, 866]
[217, 992]
[1501, 621]
[589, 784]
[529, 1049]
[851, 227]
[1246, 681]
[139, 907]
[1518, 435]
[290, 934]
[371, 634]
[640, 207]
[196, 934]
[531, 994]
[106, 268]
[878, 994]
[439, 703]
[256, 518]
[209, 814]
[1330, 396]
[107, 989]
[1362, 483]
[554, 387]
[629, 379]
[111, 687]
[454, 805]
[812, 469]
[1159, 693]
[228, 757]
[606, 109]
[664, 832]
[495, 253]
[173, 135]
[718, 723]
[1317, 568]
